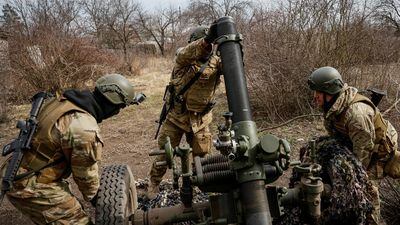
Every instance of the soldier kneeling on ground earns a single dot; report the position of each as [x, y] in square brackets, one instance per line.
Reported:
[67, 141]
[351, 116]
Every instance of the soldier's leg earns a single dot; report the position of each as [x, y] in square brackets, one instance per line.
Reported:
[53, 205]
[375, 217]
[200, 142]
[170, 130]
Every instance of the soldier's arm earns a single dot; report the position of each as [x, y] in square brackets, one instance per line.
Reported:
[361, 131]
[193, 51]
[83, 137]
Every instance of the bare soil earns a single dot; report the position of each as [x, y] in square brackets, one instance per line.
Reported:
[129, 136]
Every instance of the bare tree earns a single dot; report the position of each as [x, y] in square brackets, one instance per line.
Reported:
[159, 25]
[205, 11]
[113, 22]
[95, 12]
[40, 17]
[389, 12]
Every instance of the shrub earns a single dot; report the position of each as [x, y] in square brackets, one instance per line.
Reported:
[54, 64]
[284, 46]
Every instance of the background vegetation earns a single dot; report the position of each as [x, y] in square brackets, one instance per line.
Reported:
[57, 44]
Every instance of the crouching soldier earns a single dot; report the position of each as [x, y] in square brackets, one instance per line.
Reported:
[67, 141]
[354, 118]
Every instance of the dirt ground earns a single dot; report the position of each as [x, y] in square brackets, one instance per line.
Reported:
[129, 136]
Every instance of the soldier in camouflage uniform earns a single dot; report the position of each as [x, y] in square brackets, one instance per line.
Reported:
[191, 113]
[68, 135]
[353, 117]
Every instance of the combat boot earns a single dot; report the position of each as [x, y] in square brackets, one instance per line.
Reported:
[153, 190]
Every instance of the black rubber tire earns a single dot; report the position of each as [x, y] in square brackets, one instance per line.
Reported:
[117, 198]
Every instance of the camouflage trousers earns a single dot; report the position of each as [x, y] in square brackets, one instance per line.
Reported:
[375, 217]
[200, 143]
[51, 203]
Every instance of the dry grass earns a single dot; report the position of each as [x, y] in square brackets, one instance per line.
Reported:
[129, 136]
[390, 197]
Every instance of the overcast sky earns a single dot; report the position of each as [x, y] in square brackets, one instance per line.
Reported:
[151, 5]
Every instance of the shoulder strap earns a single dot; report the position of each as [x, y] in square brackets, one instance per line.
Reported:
[194, 79]
[364, 99]
[379, 122]
[36, 171]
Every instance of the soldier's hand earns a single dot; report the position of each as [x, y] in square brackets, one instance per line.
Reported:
[212, 33]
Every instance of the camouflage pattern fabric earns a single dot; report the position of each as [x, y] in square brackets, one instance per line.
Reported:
[352, 196]
[200, 143]
[50, 204]
[355, 122]
[46, 197]
[190, 117]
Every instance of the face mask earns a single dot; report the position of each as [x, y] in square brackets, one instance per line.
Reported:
[110, 110]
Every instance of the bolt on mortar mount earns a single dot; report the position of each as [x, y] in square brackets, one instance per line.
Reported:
[237, 177]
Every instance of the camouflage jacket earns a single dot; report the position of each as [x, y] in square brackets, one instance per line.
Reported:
[193, 113]
[74, 137]
[355, 121]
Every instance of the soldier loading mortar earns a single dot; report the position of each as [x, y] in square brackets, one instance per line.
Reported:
[238, 175]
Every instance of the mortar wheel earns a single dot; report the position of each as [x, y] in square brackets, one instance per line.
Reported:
[117, 198]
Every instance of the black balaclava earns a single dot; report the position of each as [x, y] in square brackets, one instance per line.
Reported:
[94, 103]
[329, 104]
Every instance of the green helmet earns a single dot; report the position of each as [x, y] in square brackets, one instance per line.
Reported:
[198, 32]
[326, 79]
[117, 89]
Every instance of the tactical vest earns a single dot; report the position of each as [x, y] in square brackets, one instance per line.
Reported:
[44, 146]
[383, 146]
[201, 93]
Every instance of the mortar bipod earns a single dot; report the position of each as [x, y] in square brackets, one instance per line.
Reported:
[183, 152]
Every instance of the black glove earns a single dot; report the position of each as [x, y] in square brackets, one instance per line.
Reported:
[93, 201]
[212, 33]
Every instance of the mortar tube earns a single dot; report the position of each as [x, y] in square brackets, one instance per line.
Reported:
[252, 192]
[168, 215]
[252, 189]
[232, 68]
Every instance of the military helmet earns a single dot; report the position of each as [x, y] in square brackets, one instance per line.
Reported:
[197, 33]
[117, 89]
[326, 79]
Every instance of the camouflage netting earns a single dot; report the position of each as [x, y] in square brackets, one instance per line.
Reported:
[168, 196]
[351, 195]
[349, 203]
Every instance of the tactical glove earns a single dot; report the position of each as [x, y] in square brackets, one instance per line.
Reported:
[211, 34]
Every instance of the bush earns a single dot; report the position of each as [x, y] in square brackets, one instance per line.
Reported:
[4, 110]
[284, 46]
[54, 64]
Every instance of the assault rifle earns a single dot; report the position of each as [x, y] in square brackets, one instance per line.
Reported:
[21, 143]
[168, 105]
[178, 97]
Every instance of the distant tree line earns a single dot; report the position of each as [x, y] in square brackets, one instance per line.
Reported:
[56, 44]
